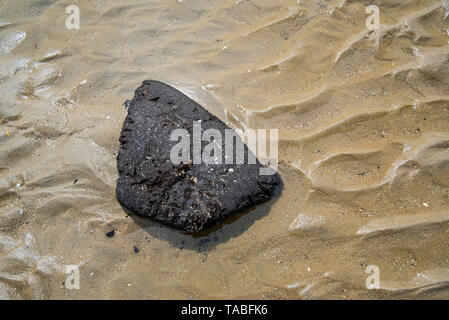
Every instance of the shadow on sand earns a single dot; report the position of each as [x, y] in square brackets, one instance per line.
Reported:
[209, 239]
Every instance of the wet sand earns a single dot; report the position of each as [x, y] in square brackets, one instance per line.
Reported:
[363, 147]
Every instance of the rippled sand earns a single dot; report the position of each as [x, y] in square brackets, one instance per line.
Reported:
[363, 147]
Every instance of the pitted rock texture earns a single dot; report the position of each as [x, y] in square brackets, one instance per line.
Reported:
[189, 197]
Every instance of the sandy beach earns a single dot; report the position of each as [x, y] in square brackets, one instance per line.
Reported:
[363, 120]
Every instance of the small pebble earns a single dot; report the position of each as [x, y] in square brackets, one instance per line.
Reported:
[136, 250]
[127, 104]
[110, 234]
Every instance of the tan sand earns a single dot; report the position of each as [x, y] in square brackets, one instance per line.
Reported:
[364, 147]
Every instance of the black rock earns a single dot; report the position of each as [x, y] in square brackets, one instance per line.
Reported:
[110, 233]
[187, 196]
[136, 250]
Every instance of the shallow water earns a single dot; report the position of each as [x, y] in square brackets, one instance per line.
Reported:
[363, 147]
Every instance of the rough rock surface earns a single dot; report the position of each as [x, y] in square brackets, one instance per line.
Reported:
[189, 197]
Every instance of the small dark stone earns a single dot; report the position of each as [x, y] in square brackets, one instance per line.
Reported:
[136, 250]
[76, 180]
[127, 104]
[190, 197]
[110, 234]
